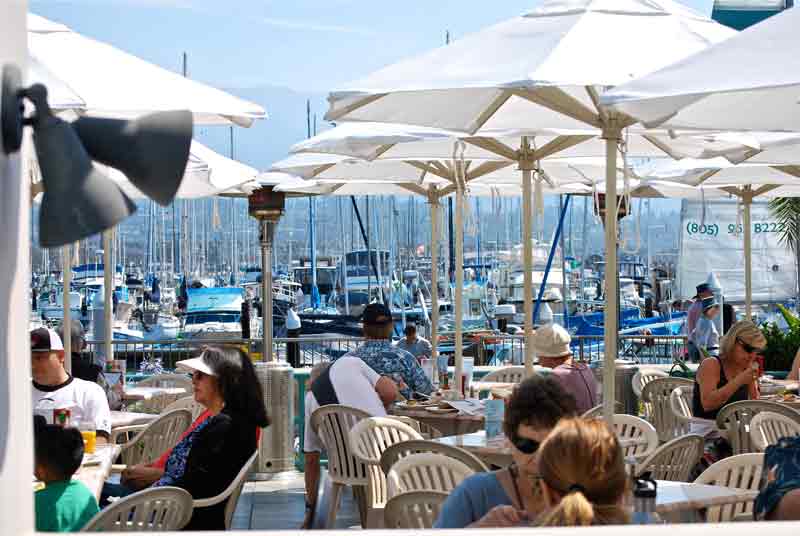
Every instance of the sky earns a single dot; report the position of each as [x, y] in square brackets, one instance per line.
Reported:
[306, 45]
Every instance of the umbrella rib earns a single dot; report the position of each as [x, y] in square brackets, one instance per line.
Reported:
[490, 110]
[596, 101]
[559, 144]
[431, 168]
[367, 99]
[413, 188]
[486, 168]
[557, 100]
[493, 146]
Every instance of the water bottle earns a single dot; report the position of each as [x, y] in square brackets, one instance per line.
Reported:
[644, 500]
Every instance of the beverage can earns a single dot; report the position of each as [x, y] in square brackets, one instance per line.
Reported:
[62, 417]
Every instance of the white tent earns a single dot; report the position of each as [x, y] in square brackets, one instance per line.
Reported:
[113, 83]
[749, 82]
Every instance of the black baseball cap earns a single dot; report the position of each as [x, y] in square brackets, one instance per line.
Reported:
[376, 314]
[702, 287]
[45, 340]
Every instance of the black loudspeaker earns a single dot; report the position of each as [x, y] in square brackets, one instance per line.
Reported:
[151, 151]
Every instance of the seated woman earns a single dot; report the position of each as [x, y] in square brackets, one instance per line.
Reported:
[209, 457]
[731, 377]
[507, 497]
[583, 478]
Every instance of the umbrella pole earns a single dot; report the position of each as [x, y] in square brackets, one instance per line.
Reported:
[108, 301]
[66, 323]
[459, 294]
[747, 199]
[527, 266]
[434, 202]
[611, 134]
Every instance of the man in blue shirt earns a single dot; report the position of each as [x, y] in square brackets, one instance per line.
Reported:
[386, 359]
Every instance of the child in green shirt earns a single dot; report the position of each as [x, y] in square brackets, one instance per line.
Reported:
[64, 505]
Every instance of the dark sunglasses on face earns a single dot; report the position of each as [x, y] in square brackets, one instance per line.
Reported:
[197, 375]
[525, 445]
[748, 348]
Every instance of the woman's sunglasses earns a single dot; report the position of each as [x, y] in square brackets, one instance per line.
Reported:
[197, 375]
[525, 445]
[748, 348]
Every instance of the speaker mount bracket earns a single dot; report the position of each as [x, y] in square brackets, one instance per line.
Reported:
[11, 108]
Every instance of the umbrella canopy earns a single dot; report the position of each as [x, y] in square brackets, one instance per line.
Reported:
[748, 82]
[113, 83]
[544, 68]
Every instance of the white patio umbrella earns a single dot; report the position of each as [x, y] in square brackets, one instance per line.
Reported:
[546, 69]
[113, 83]
[489, 156]
[748, 82]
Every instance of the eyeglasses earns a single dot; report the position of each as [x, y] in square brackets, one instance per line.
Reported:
[197, 375]
[748, 348]
[525, 445]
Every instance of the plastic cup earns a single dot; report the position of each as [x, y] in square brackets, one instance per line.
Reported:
[89, 434]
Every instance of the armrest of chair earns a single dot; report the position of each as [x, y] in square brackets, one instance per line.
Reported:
[116, 433]
[238, 481]
[118, 467]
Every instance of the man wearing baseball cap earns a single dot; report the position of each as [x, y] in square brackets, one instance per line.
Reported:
[693, 314]
[551, 344]
[385, 359]
[54, 389]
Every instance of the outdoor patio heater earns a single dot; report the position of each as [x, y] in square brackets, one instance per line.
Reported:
[276, 377]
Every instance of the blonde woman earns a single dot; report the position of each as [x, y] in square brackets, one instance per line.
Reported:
[732, 376]
[583, 479]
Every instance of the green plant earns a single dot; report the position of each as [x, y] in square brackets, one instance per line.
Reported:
[781, 345]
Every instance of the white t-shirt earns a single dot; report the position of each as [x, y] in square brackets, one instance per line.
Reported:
[85, 400]
[354, 383]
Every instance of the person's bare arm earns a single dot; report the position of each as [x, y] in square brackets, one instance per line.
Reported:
[794, 374]
[312, 483]
[387, 390]
[141, 476]
[708, 375]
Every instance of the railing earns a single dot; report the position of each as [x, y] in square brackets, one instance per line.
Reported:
[496, 350]
[312, 350]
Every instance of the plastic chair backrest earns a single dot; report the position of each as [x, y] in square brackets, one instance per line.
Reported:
[643, 376]
[151, 510]
[593, 413]
[767, 428]
[400, 450]
[638, 437]
[231, 493]
[657, 393]
[425, 430]
[506, 375]
[426, 472]
[332, 423]
[369, 438]
[742, 471]
[414, 509]
[735, 419]
[187, 402]
[159, 436]
[675, 459]
[167, 380]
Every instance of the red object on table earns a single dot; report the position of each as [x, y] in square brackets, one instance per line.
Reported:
[760, 361]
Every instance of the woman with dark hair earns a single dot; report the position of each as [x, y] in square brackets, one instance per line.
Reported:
[507, 497]
[207, 459]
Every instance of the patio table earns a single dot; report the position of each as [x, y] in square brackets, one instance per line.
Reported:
[146, 393]
[675, 499]
[130, 418]
[449, 424]
[491, 450]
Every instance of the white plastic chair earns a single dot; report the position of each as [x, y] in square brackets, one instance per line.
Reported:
[425, 430]
[414, 509]
[167, 380]
[506, 375]
[674, 459]
[735, 420]
[332, 423]
[153, 439]
[231, 493]
[426, 472]
[742, 472]
[657, 394]
[637, 436]
[160, 401]
[767, 428]
[642, 377]
[187, 402]
[369, 438]
[152, 510]
[400, 450]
